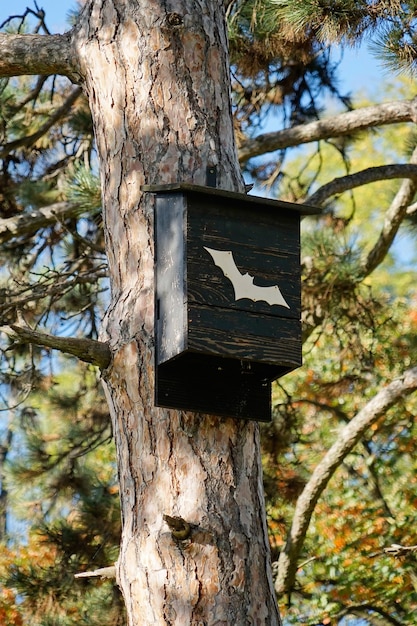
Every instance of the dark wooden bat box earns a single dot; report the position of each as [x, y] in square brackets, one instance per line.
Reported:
[228, 299]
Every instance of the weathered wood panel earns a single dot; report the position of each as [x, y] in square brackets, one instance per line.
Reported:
[171, 277]
[252, 337]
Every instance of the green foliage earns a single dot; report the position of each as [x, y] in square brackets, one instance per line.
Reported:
[360, 334]
[391, 26]
[396, 43]
[275, 69]
[331, 21]
[84, 189]
[64, 481]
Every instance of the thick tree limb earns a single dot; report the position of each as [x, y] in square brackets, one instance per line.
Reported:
[392, 222]
[37, 54]
[29, 140]
[364, 177]
[29, 223]
[349, 437]
[336, 126]
[87, 350]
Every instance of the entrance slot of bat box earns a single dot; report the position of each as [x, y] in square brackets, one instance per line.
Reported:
[216, 385]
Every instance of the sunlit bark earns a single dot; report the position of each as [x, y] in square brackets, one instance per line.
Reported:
[37, 54]
[334, 126]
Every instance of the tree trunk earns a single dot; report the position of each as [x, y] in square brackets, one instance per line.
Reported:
[157, 78]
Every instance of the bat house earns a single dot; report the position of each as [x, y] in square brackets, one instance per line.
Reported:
[228, 298]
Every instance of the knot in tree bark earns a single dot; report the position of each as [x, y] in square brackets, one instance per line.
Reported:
[174, 19]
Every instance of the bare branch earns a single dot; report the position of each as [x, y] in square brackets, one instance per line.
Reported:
[364, 177]
[51, 285]
[29, 140]
[349, 437]
[336, 126]
[87, 350]
[400, 208]
[395, 549]
[392, 222]
[372, 614]
[29, 223]
[103, 572]
[33, 94]
[37, 54]
[412, 209]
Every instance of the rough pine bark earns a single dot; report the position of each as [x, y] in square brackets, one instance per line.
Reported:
[157, 78]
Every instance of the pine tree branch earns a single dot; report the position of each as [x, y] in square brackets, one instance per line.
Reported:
[349, 437]
[29, 223]
[28, 140]
[364, 177]
[37, 54]
[392, 222]
[87, 350]
[51, 285]
[336, 126]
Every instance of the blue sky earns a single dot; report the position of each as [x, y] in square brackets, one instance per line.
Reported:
[56, 11]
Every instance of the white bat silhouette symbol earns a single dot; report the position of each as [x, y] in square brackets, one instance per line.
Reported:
[243, 283]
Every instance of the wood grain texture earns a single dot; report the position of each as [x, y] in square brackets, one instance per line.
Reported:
[252, 337]
[264, 243]
[170, 277]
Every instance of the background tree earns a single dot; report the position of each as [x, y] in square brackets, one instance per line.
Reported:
[358, 311]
